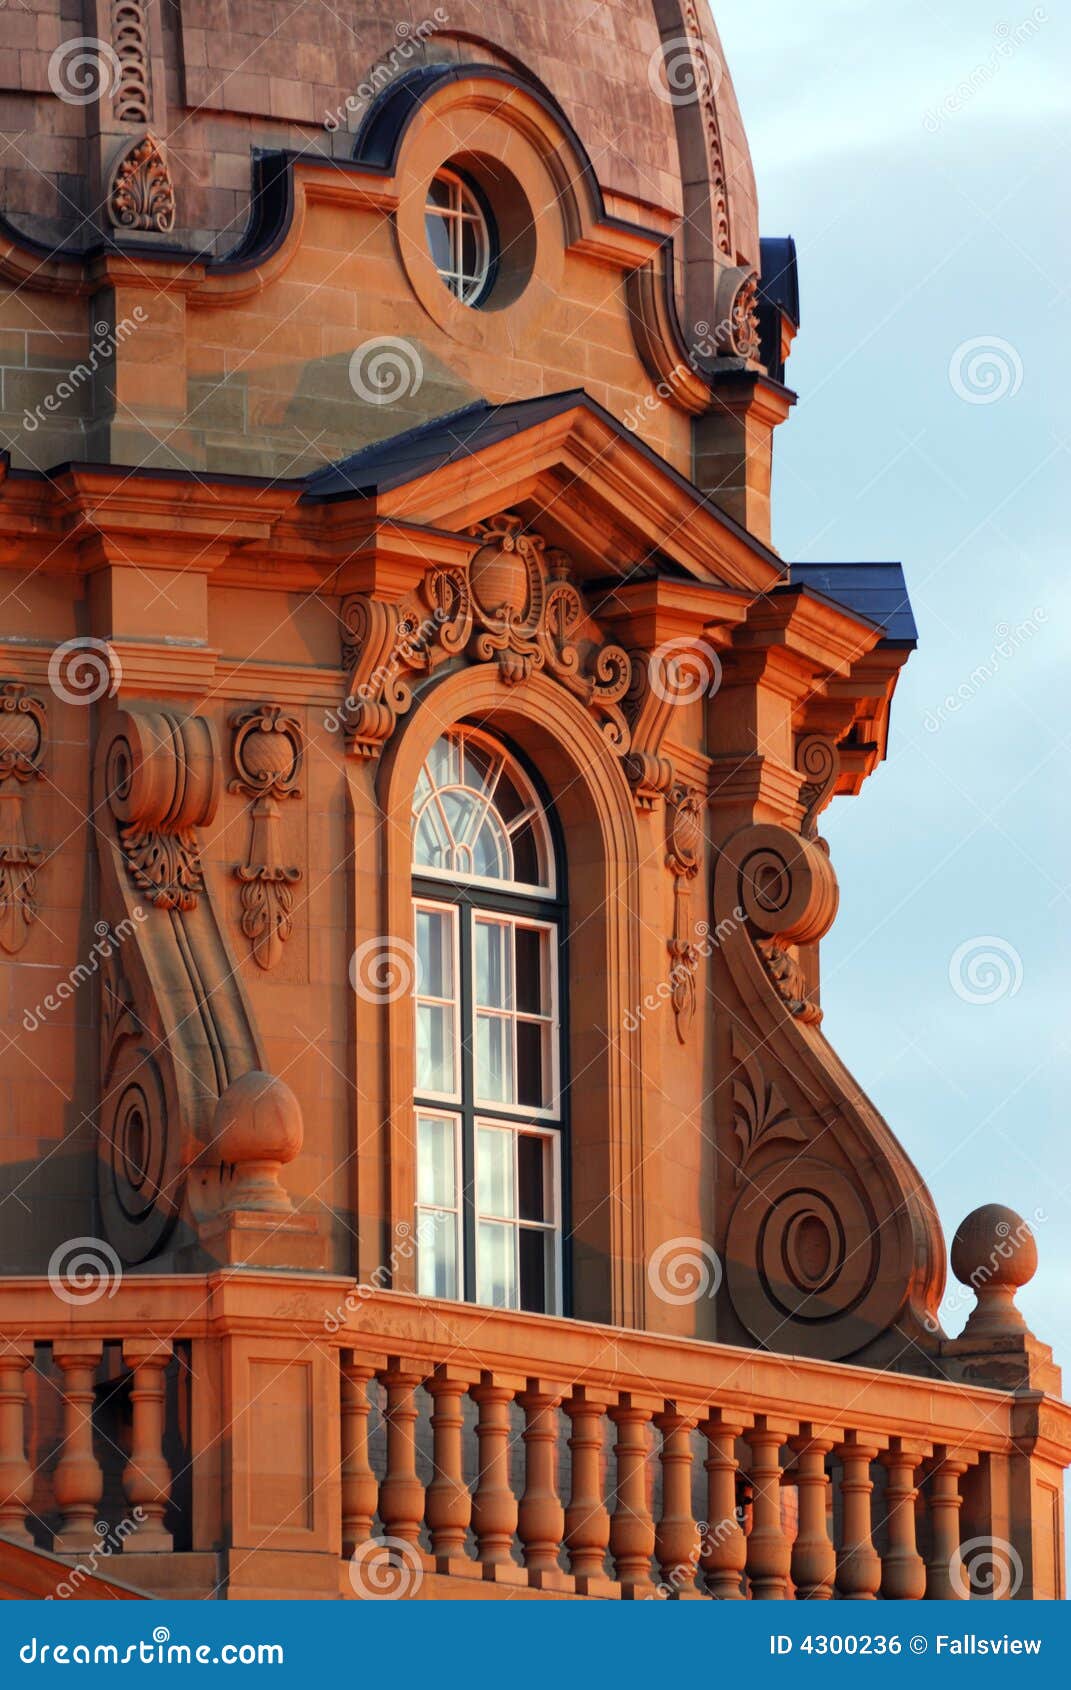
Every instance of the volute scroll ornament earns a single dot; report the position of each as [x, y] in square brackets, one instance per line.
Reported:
[268, 751]
[832, 1243]
[818, 761]
[162, 782]
[22, 750]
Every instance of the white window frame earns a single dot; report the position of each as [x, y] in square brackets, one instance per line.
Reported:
[433, 1209]
[453, 912]
[464, 207]
[516, 1129]
[547, 1112]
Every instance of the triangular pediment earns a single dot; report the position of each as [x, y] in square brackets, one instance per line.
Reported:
[587, 483]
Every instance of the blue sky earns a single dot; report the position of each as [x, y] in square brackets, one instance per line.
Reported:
[920, 158]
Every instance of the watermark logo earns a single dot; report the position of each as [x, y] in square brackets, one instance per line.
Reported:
[402, 55]
[84, 70]
[383, 970]
[83, 1270]
[84, 670]
[386, 1569]
[1008, 640]
[684, 670]
[683, 70]
[985, 369]
[987, 1566]
[683, 1270]
[386, 369]
[985, 969]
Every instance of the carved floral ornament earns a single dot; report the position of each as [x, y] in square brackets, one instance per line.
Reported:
[141, 195]
[684, 814]
[513, 604]
[22, 745]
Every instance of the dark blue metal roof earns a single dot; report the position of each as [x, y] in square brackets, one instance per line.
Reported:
[877, 591]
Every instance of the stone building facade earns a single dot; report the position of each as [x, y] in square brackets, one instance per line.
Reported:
[425, 1170]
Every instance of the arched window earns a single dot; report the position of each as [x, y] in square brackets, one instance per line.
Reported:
[461, 236]
[488, 921]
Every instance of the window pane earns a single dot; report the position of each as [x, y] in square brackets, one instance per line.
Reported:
[494, 1059]
[531, 1082]
[460, 810]
[494, 1155]
[526, 866]
[508, 801]
[436, 1162]
[434, 936]
[494, 970]
[531, 950]
[435, 1048]
[438, 236]
[532, 1177]
[478, 766]
[437, 1255]
[429, 847]
[534, 1253]
[496, 1268]
[491, 851]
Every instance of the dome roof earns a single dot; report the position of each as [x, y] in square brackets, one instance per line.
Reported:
[641, 82]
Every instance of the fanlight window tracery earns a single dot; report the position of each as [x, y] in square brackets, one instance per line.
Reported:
[476, 818]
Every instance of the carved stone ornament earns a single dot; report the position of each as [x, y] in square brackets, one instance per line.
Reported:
[141, 195]
[22, 745]
[706, 86]
[513, 604]
[131, 100]
[818, 761]
[832, 1240]
[268, 751]
[685, 835]
[736, 332]
[178, 1036]
[158, 808]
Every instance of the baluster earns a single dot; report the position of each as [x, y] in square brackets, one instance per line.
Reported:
[587, 1522]
[147, 1476]
[903, 1571]
[541, 1518]
[449, 1505]
[77, 1483]
[768, 1552]
[16, 1479]
[401, 1494]
[494, 1506]
[632, 1533]
[858, 1566]
[359, 1487]
[677, 1535]
[945, 1577]
[723, 1553]
[814, 1561]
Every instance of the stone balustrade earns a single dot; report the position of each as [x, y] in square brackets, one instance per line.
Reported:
[511, 1454]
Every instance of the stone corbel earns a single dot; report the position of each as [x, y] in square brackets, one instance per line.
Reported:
[268, 751]
[684, 839]
[818, 762]
[22, 749]
[193, 1129]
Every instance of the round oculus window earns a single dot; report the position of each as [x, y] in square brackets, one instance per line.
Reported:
[461, 236]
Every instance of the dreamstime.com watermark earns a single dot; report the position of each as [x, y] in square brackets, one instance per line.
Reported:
[108, 941]
[708, 343]
[985, 969]
[679, 974]
[110, 1538]
[708, 1538]
[683, 70]
[157, 1651]
[409, 643]
[1008, 39]
[409, 1239]
[83, 1270]
[1009, 640]
[101, 348]
[985, 369]
[684, 1270]
[411, 37]
[386, 369]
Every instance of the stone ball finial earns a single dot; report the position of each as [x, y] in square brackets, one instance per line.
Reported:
[257, 1127]
[994, 1252]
